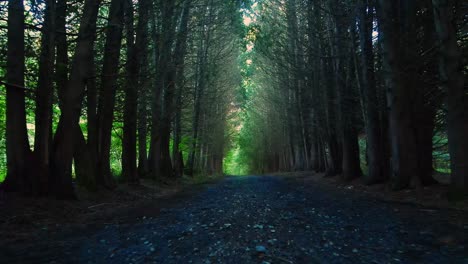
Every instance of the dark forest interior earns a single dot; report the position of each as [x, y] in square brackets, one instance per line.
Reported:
[138, 107]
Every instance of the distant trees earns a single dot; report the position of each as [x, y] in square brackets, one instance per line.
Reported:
[102, 88]
[337, 71]
[116, 71]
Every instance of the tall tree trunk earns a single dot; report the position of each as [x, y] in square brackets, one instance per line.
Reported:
[157, 158]
[17, 143]
[170, 80]
[43, 127]
[381, 90]
[87, 155]
[429, 100]
[377, 171]
[146, 82]
[72, 100]
[315, 93]
[61, 63]
[451, 72]
[335, 147]
[136, 56]
[400, 56]
[179, 60]
[107, 92]
[196, 113]
[350, 108]
[129, 139]
[346, 106]
[165, 166]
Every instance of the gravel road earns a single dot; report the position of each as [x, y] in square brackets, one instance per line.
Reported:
[258, 219]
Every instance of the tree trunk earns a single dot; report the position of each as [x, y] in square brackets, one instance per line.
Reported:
[165, 130]
[346, 105]
[174, 73]
[180, 51]
[400, 56]
[202, 79]
[85, 161]
[334, 146]
[159, 161]
[322, 156]
[451, 72]
[134, 50]
[429, 100]
[196, 113]
[425, 136]
[107, 92]
[17, 143]
[61, 63]
[72, 99]
[350, 106]
[43, 114]
[377, 171]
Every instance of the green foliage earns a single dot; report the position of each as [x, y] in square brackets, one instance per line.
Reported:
[441, 157]
[240, 159]
[116, 150]
[184, 146]
[233, 162]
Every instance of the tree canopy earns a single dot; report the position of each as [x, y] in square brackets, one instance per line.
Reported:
[100, 92]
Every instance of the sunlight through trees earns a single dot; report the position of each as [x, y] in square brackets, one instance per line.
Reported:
[99, 92]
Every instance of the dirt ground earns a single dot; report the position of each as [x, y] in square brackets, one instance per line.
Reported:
[432, 196]
[21, 217]
[294, 218]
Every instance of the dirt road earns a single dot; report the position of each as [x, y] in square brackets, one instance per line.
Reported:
[257, 219]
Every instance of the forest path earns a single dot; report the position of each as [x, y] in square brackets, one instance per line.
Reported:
[230, 221]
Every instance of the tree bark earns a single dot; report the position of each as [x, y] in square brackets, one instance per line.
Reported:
[85, 161]
[61, 63]
[377, 171]
[107, 91]
[72, 99]
[335, 147]
[451, 72]
[346, 106]
[43, 114]
[350, 108]
[179, 60]
[135, 51]
[17, 143]
[159, 161]
[202, 79]
[400, 56]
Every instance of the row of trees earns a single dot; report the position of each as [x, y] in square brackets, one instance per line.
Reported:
[150, 73]
[331, 72]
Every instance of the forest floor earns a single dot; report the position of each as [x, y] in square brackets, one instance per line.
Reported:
[434, 196]
[296, 218]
